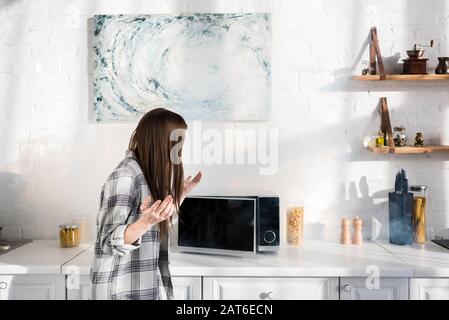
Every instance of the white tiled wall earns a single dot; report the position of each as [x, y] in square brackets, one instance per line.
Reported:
[54, 158]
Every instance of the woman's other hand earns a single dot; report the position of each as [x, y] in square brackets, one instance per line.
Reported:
[190, 184]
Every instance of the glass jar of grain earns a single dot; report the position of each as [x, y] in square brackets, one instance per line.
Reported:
[295, 224]
[69, 235]
[419, 213]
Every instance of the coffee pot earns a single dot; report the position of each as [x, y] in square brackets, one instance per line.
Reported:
[443, 65]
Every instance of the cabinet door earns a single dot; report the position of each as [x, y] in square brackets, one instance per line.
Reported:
[261, 288]
[184, 288]
[187, 288]
[429, 289]
[32, 287]
[388, 289]
[79, 288]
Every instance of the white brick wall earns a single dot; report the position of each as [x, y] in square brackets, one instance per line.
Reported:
[54, 159]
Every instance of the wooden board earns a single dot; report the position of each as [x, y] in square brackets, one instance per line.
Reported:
[386, 124]
[410, 149]
[403, 77]
[375, 52]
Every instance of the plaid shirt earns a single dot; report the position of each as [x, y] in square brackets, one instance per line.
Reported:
[128, 271]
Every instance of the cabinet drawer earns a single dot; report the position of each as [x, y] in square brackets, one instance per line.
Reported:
[261, 288]
[429, 289]
[184, 288]
[32, 287]
[388, 289]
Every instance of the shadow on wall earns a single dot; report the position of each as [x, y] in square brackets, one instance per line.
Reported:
[5, 3]
[12, 205]
[314, 231]
[356, 200]
[392, 64]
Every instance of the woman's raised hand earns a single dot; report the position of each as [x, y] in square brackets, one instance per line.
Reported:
[190, 184]
[159, 210]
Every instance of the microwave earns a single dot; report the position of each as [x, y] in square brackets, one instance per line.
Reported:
[235, 225]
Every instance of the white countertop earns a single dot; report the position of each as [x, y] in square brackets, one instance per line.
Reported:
[428, 261]
[312, 259]
[37, 257]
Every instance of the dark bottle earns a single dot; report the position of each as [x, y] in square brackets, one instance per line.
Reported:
[443, 65]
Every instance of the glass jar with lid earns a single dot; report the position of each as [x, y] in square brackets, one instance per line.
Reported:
[295, 223]
[399, 136]
[419, 212]
[69, 235]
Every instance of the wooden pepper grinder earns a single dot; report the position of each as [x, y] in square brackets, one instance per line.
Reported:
[357, 230]
[345, 232]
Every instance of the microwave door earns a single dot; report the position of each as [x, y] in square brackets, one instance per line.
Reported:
[218, 224]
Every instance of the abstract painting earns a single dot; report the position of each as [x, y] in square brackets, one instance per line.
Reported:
[203, 66]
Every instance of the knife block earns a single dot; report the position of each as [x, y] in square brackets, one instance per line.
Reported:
[400, 207]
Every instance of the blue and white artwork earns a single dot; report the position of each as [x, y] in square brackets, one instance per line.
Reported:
[203, 66]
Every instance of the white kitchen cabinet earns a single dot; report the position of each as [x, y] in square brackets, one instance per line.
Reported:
[261, 288]
[184, 288]
[187, 288]
[78, 287]
[429, 289]
[387, 289]
[32, 287]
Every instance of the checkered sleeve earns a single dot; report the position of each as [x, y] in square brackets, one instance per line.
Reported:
[117, 200]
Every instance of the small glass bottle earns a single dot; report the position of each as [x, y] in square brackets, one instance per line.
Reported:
[365, 67]
[419, 139]
[380, 139]
[295, 224]
[419, 213]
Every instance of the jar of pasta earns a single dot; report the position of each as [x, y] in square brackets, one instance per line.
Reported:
[295, 224]
[419, 213]
[69, 235]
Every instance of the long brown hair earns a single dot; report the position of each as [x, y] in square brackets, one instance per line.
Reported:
[151, 144]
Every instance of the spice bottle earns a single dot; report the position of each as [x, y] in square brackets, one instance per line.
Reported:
[345, 237]
[357, 230]
[419, 139]
[380, 139]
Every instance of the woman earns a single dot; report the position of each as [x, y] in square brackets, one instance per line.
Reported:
[136, 204]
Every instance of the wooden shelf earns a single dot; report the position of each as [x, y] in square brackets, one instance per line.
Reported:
[403, 77]
[410, 149]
